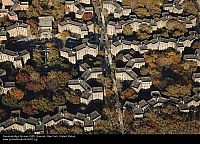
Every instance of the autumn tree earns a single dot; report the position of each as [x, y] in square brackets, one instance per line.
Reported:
[176, 28]
[87, 16]
[16, 93]
[196, 44]
[178, 90]
[128, 93]
[141, 12]
[105, 13]
[189, 8]
[166, 69]
[65, 34]
[57, 79]
[127, 30]
[144, 31]
[13, 97]
[72, 98]
[37, 57]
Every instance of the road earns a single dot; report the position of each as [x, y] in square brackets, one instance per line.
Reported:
[108, 57]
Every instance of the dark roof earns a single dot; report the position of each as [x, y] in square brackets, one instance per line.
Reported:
[9, 84]
[128, 104]
[94, 115]
[86, 94]
[88, 122]
[142, 103]
[32, 120]
[174, 100]
[137, 111]
[80, 116]
[46, 119]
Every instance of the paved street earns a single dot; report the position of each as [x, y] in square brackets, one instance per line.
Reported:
[109, 61]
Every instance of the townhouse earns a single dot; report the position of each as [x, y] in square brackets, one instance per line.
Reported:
[6, 86]
[15, 5]
[45, 26]
[88, 93]
[73, 27]
[125, 74]
[141, 83]
[136, 63]
[18, 29]
[17, 58]
[16, 122]
[79, 51]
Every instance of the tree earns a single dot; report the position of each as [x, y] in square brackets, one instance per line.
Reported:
[177, 90]
[22, 78]
[16, 93]
[142, 12]
[189, 8]
[127, 30]
[176, 28]
[53, 57]
[196, 44]
[105, 13]
[37, 57]
[87, 16]
[144, 31]
[9, 101]
[72, 98]
[129, 93]
[65, 34]
[106, 81]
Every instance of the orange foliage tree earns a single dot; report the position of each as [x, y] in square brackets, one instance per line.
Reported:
[87, 16]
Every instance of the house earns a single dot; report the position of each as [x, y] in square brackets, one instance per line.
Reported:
[7, 86]
[88, 125]
[79, 117]
[110, 6]
[86, 97]
[196, 77]
[97, 93]
[18, 29]
[21, 6]
[136, 63]
[12, 16]
[73, 27]
[45, 26]
[2, 72]
[129, 105]
[48, 121]
[78, 84]
[125, 74]
[111, 28]
[79, 51]
[92, 73]
[95, 116]
[143, 105]
[127, 57]
[7, 3]
[183, 108]
[71, 6]
[3, 36]
[145, 82]
[138, 113]
[85, 1]
[3, 13]
[174, 101]
[83, 67]
[116, 47]
[90, 26]
[18, 58]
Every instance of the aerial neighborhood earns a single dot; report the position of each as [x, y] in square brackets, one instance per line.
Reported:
[100, 66]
